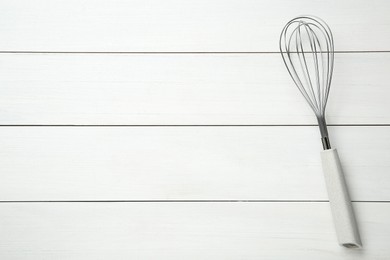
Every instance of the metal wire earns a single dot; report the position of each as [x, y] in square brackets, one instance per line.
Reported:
[307, 48]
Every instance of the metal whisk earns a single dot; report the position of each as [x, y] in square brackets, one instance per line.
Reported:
[307, 48]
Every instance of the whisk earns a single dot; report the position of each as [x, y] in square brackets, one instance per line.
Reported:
[307, 48]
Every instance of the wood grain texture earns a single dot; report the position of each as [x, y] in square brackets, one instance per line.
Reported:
[188, 163]
[183, 26]
[183, 89]
[186, 231]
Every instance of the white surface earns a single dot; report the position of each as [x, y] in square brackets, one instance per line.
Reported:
[268, 164]
[188, 163]
[186, 231]
[177, 26]
[339, 200]
[184, 89]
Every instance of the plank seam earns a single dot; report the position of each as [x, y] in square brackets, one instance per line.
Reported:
[172, 52]
[184, 201]
[233, 125]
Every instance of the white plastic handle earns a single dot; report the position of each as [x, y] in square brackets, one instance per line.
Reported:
[340, 203]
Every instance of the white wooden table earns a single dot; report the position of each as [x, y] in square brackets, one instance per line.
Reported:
[171, 130]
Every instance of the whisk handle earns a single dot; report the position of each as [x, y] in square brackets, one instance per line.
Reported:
[340, 202]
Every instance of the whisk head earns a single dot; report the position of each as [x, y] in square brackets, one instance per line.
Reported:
[306, 45]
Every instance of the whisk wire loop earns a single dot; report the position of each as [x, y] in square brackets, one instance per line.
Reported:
[307, 48]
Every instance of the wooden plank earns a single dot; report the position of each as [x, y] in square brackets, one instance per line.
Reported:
[187, 163]
[186, 231]
[183, 89]
[183, 26]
